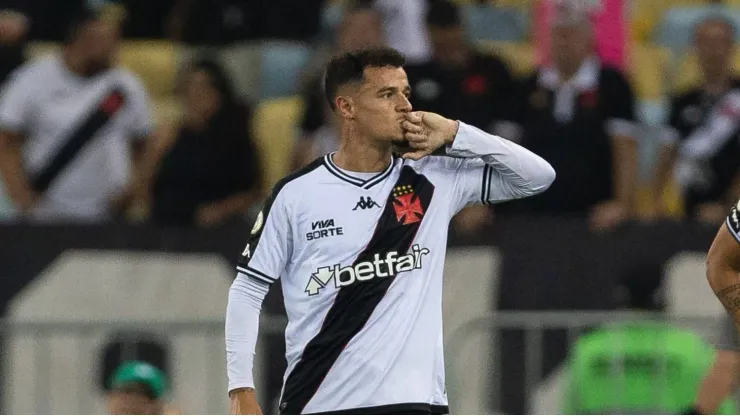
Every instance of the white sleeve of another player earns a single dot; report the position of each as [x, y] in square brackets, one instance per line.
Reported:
[270, 242]
[242, 326]
[17, 100]
[495, 169]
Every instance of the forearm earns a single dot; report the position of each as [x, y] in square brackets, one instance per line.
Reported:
[624, 165]
[516, 170]
[11, 167]
[242, 325]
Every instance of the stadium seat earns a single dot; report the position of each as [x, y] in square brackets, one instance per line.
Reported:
[645, 15]
[155, 62]
[486, 22]
[520, 57]
[676, 28]
[281, 63]
[275, 130]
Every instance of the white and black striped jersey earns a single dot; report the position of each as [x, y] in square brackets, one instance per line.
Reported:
[360, 259]
[77, 134]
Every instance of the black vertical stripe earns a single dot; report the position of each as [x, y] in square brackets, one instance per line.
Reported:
[354, 304]
[105, 110]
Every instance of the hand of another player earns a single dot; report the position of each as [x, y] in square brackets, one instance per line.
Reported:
[244, 402]
[427, 132]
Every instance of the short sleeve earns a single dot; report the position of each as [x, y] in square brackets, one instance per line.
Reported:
[619, 105]
[17, 101]
[733, 221]
[270, 242]
[142, 124]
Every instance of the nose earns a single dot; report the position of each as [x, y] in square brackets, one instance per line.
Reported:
[405, 105]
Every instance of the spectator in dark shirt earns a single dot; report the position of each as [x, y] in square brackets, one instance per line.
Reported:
[701, 143]
[206, 173]
[361, 27]
[459, 81]
[578, 114]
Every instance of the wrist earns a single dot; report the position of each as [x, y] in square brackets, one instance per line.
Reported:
[452, 128]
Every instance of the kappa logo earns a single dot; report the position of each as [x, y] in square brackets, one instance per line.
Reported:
[365, 203]
[391, 265]
[407, 205]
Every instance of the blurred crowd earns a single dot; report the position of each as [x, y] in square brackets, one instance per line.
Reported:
[185, 112]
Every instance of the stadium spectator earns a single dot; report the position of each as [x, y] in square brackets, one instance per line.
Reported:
[137, 388]
[464, 84]
[206, 171]
[403, 26]
[69, 125]
[578, 114]
[361, 26]
[221, 22]
[14, 27]
[700, 146]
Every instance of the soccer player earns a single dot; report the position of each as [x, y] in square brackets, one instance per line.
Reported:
[358, 238]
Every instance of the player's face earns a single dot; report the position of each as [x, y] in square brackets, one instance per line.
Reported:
[382, 103]
[714, 47]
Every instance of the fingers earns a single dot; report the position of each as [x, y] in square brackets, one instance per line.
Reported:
[411, 127]
[414, 117]
[415, 137]
[415, 155]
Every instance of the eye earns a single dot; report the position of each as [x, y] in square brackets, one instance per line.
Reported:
[388, 95]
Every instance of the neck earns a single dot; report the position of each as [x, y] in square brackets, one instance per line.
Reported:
[73, 62]
[568, 71]
[360, 154]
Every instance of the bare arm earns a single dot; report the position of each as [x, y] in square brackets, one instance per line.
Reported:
[11, 169]
[723, 270]
[663, 174]
[721, 380]
[624, 165]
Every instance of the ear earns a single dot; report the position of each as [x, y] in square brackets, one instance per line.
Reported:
[345, 106]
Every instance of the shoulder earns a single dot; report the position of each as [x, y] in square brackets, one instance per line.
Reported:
[32, 72]
[128, 80]
[292, 184]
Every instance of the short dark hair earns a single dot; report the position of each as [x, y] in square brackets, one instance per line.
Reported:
[350, 66]
[443, 14]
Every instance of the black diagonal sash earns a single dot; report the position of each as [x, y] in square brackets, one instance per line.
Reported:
[355, 303]
[105, 110]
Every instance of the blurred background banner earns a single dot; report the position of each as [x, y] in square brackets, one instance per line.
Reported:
[609, 20]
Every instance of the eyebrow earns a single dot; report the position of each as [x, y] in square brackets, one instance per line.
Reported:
[406, 89]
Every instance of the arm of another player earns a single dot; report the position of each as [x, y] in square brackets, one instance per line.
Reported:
[723, 265]
[721, 380]
[509, 171]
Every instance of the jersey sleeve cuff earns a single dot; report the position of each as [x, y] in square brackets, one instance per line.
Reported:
[732, 230]
[255, 274]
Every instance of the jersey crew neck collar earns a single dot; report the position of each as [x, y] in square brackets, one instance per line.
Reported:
[350, 177]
